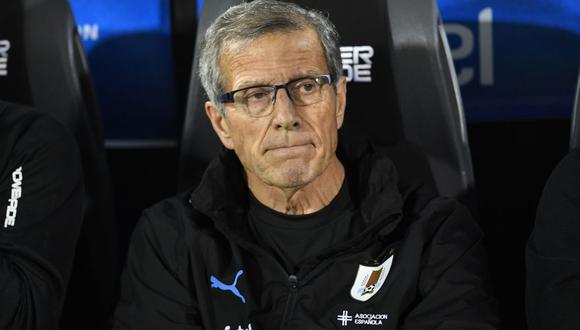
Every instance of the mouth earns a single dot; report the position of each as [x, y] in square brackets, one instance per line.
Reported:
[287, 146]
[289, 149]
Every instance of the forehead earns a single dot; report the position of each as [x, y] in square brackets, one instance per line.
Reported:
[273, 58]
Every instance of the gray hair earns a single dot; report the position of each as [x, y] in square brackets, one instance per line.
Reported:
[248, 21]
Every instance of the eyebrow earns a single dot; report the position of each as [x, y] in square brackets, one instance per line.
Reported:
[252, 83]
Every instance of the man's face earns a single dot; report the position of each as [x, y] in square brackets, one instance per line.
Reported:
[294, 144]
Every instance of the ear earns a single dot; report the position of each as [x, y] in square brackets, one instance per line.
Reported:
[340, 101]
[219, 124]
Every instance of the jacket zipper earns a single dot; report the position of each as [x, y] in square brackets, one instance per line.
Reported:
[293, 287]
[289, 309]
[292, 278]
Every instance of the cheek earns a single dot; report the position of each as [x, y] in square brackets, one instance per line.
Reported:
[325, 127]
[246, 145]
[330, 137]
[243, 148]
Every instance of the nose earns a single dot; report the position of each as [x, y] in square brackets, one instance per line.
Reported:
[284, 113]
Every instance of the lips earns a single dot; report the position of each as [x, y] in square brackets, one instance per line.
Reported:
[287, 146]
[292, 149]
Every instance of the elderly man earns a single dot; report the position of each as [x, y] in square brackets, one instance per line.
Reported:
[290, 229]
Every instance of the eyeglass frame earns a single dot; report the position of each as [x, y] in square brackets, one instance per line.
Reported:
[229, 96]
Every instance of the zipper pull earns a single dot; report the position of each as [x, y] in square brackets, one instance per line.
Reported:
[380, 259]
[293, 280]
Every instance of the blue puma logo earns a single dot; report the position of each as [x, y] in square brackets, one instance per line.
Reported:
[215, 283]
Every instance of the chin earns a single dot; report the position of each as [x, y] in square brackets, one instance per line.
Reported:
[292, 177]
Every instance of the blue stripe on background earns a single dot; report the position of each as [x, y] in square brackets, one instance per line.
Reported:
[536, 56]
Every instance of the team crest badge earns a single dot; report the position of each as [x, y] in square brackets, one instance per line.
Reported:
[370, 279]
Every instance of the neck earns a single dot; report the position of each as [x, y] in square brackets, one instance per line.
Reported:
[309, 198]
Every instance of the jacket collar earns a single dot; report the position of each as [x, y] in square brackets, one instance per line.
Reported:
[223, 193]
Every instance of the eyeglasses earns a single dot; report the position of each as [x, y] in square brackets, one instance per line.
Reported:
[258, 101]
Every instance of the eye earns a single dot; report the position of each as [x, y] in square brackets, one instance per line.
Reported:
[256, 96]
[253, 95]
[306, 86]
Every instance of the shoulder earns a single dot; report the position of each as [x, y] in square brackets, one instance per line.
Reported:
[415, 179]
[561, 196]
[448, 217]
[40, 173]
[46, 157]
[175, 212]
[565, 179]
[553, 248]
[21, 120]
[172, 220]
[556, 228]
[167, 233]
[28, 136]
[404, 163]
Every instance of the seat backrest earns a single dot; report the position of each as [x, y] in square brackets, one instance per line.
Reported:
[43, 65]
[575, 129]
[402, 87]
[184, 15]
[130, 50]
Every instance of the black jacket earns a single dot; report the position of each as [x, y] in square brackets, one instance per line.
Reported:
[193, 263]
[41, 196]
[553, 252]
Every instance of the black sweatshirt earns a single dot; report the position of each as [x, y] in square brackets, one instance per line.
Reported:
[41, 194]
[553, 252]
[294, 238]
[416, 262]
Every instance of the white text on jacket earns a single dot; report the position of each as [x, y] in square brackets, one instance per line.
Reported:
[15, 194]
